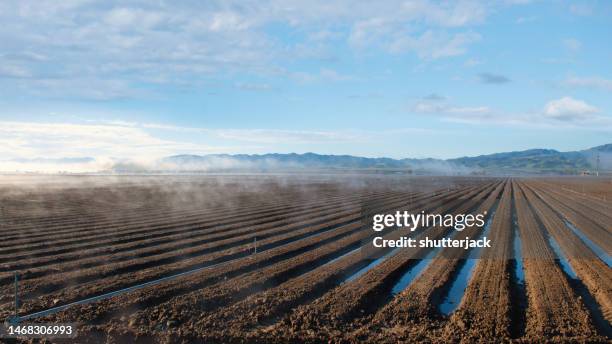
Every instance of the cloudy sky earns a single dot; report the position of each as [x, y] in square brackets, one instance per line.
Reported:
[406, 78]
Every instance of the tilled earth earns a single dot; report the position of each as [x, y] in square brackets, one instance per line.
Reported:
[284, 259]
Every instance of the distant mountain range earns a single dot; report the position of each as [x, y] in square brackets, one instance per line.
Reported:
[542, 160]
[532, 161]
[529, 161]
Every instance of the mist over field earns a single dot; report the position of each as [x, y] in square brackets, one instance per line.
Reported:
[305, 171]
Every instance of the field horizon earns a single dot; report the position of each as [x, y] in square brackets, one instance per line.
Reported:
[593, 161]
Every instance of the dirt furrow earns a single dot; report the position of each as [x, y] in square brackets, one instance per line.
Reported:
[339, 307]
[593, 272]
[225, 272]
[253, 214]
[420, 300]
[554, 310]
[140, 272]
[278, 300]
[475, 319]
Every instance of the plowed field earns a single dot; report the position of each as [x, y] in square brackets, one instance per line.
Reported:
[283, 259]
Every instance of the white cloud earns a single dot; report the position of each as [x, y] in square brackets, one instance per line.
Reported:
[452, 14]
[390, 31]
[228, 21]
[368, 31]
[95, 146]
[266, 135]
[83, 87]
[440, 106]
[14, 70]
[122, 139]
[129, 18]
[56, 47]
[565, 112]
[333, 75]
[324, 74]
[285, 136]
[60, 140]
[569, 109]
[589, 82]
[474, 110]
[433, 45]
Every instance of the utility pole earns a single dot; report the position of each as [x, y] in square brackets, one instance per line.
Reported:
[597, 165]
[255, 245]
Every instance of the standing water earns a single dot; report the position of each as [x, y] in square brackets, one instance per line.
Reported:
[519, 269]
[598, 250]
[369, 266]
[567, 268]
[518, 288]
[413, 272]
[455, 294]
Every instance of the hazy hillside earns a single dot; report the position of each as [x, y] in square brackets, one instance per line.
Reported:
[529, 161]
[542, 160]
[310, 160]
[532, 161]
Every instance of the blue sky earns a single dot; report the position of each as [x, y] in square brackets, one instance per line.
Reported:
[142, 79]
